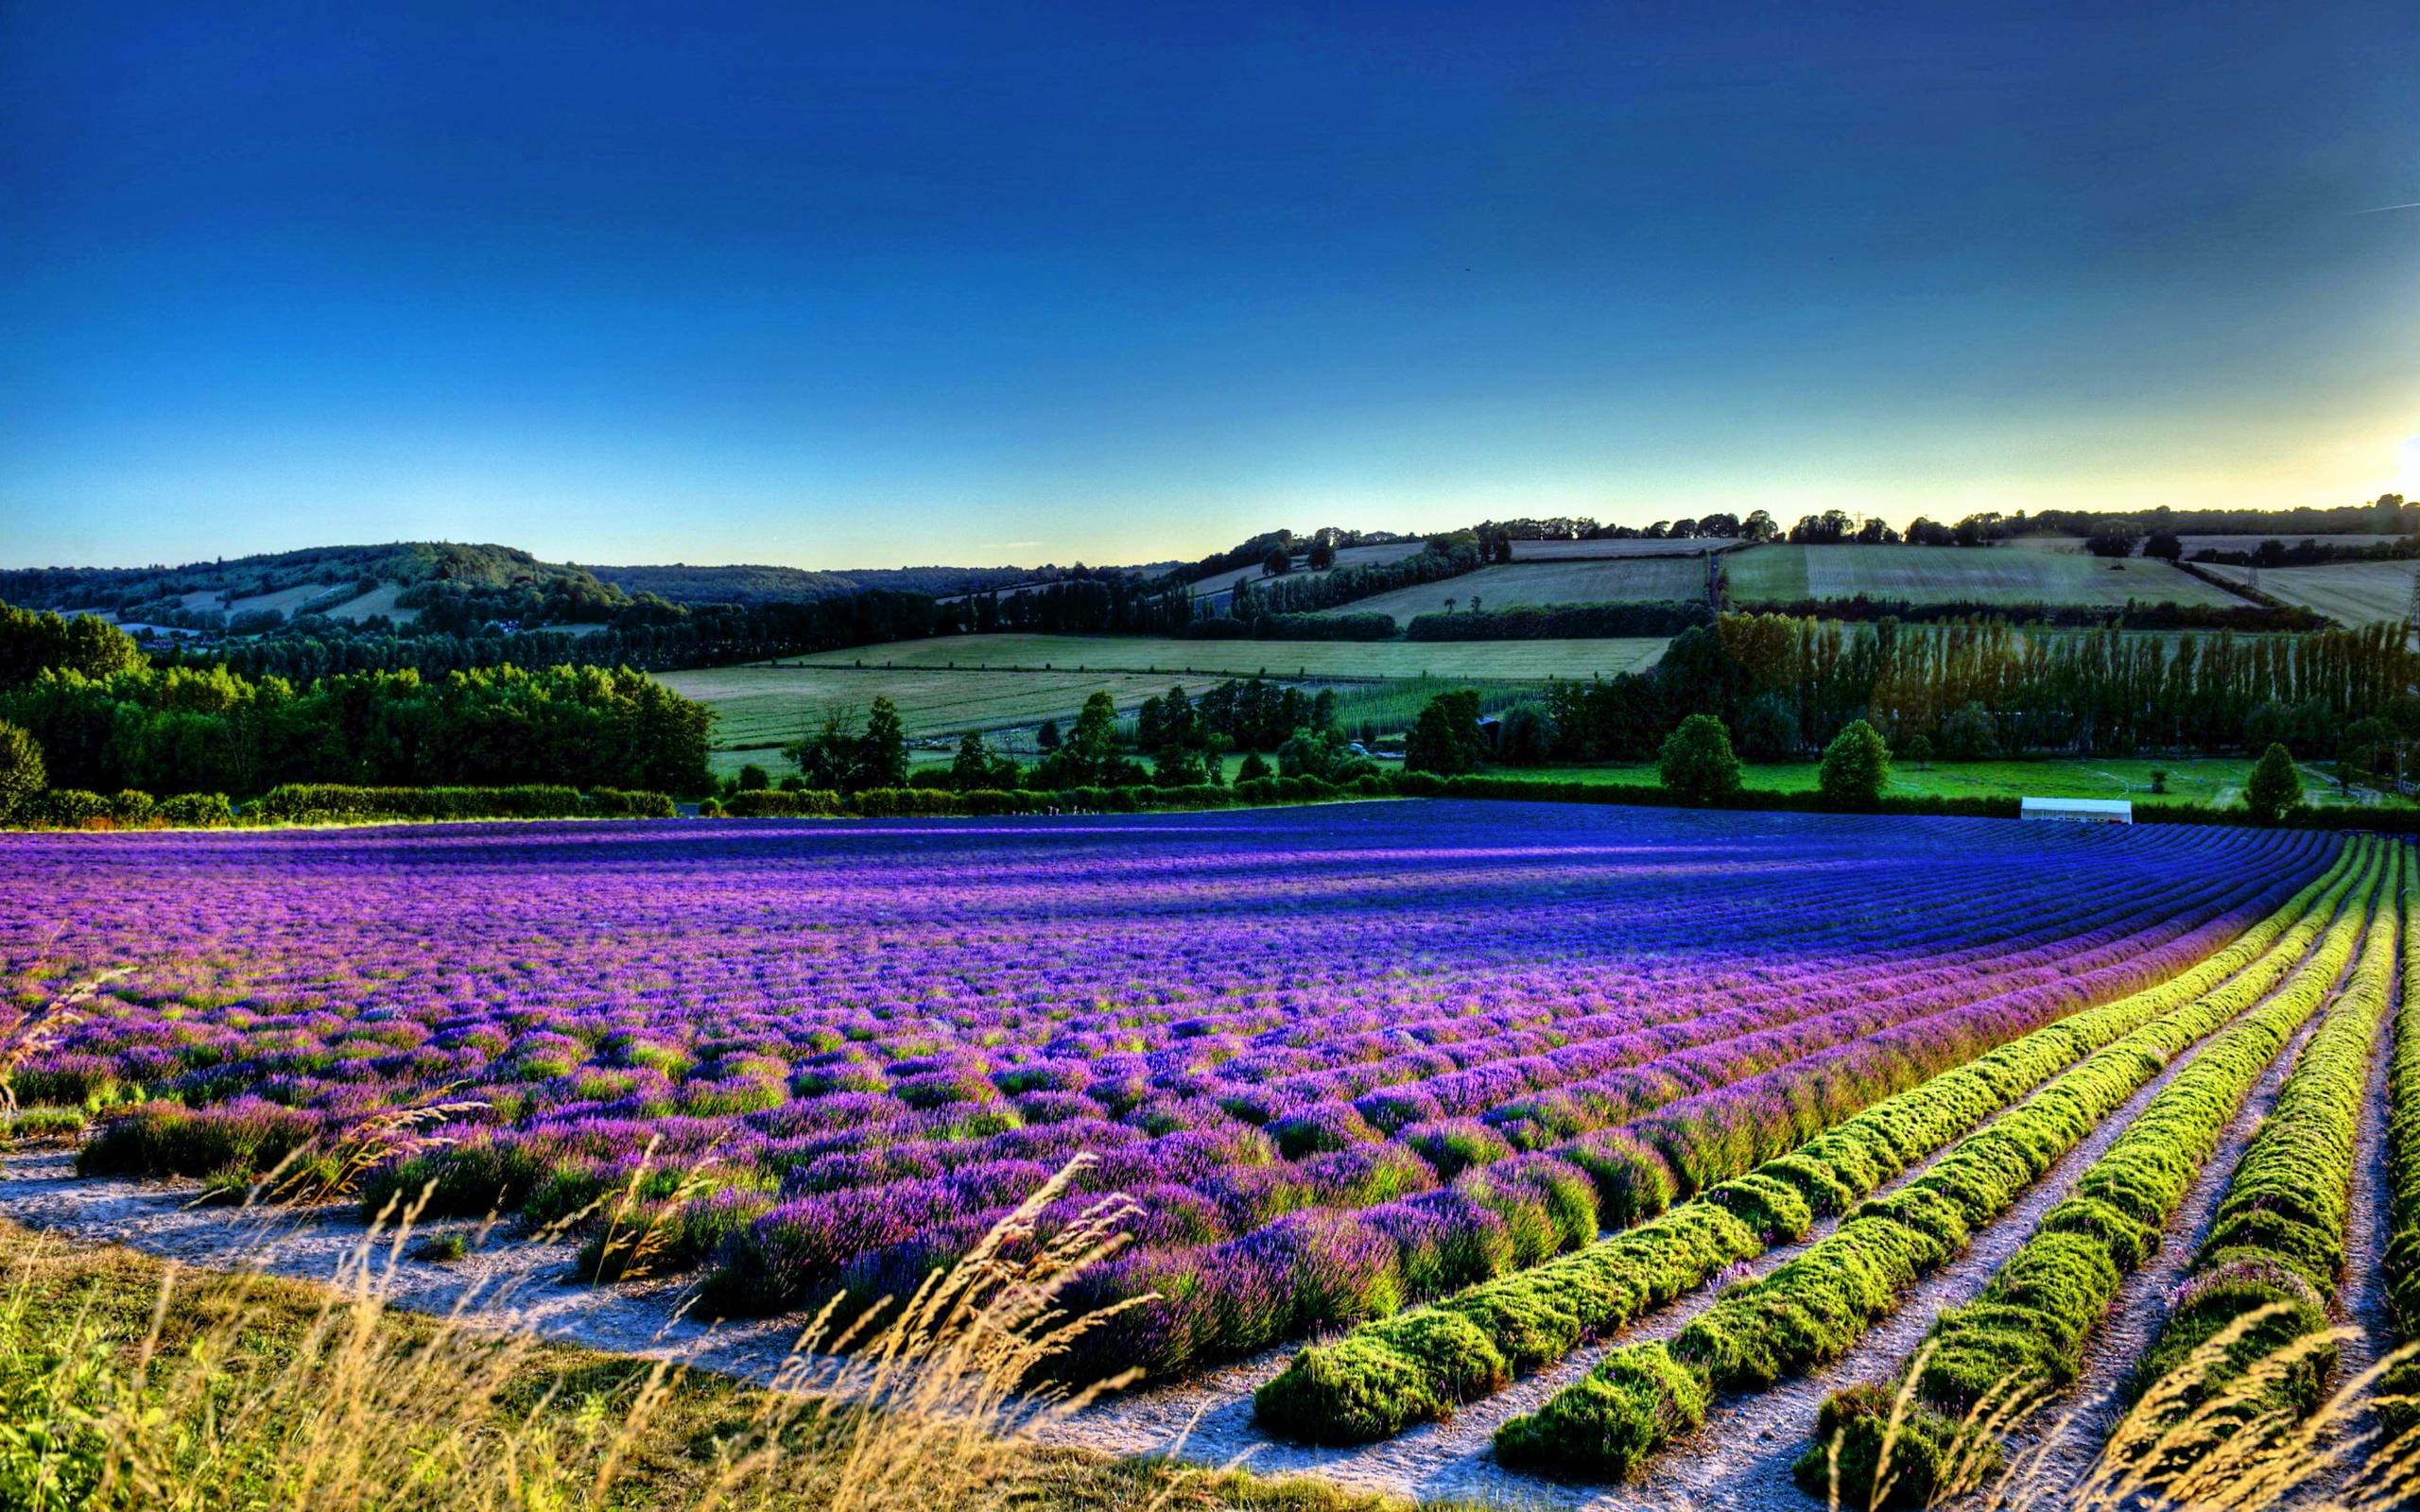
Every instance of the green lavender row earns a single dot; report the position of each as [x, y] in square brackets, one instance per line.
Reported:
[2025, 1335]
[1419, 1365]
[1816, 1306]
[2279, 1237]
[2399, 1394]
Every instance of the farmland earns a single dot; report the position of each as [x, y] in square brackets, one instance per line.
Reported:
[1604, 580]
[1013, 682]
[1220, 582]
[2349, 592]
[1615, 547]
[1941, 575]
[1425, 1104]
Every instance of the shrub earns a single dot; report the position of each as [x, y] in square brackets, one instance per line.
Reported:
[336, 803]
[63, 808]
[1696, 765]
[1855, 767]
[816, 803]
[22, 773]
[198, 811]
[2276, 789]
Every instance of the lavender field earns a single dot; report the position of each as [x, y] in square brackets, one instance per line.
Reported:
[1348, 1060]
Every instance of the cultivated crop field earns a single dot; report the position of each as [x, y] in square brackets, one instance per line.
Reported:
[1606, 580]
[1480, 661]
[1939, 575]
[1632, 546]
[1472, 1144]
[2349, 592]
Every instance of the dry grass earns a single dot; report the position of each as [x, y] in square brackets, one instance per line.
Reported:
[128, 1383]
[2183, 1444]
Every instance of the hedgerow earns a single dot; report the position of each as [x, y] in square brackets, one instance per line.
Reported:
[2025, 1335]
[1816, 1306]
[1413, 1367]
[334, 802]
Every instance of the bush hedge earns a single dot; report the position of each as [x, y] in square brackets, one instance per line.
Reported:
[1563, 622]
[333, 802]
[1813, 1308]
[1389, 1374]
[2025, 1334]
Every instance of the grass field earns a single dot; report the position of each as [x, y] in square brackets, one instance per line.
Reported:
[2349, 592]
[1009, 684]
[1939, 575]
[762, 706]
[1483, 661]
[2217, 781]
[1607, 581]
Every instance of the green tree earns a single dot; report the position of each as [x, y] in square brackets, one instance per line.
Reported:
[1527, 736]
[32, 643]
[1918, 749]
[1087, 755]
[1445, 738]
[1254, 768]
[978, 766]
[21, 768]
[827, 759]
[1855, 769]
[880, 759]
[754, 778]
[1179, 767]
[1970, 735]
[2275, 789]
[1307, 753]
[1697, 762]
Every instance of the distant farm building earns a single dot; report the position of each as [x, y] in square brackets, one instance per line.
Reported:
[2079, 810]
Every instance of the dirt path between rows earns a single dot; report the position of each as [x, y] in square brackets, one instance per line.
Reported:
[2141, 1310]
[1208, 1420]
[1740, 1461]
[504, 1283]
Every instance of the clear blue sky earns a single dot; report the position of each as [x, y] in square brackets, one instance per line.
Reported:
[859, 286]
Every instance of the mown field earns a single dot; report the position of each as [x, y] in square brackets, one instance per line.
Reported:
[1938, 575]
[1417, 1101]
[1567, 550]
[1607, 581]
[2349, 592]
[1480, 661]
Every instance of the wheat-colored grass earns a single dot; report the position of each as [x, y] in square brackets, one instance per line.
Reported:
[2183, 1445]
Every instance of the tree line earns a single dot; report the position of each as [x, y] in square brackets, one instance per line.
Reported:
[96, 716]
[1782, 685]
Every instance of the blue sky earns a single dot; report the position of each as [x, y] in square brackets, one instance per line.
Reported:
[855, 286]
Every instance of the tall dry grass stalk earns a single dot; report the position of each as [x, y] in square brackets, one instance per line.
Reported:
[352, 1408]
[34, 1030]
[2212, 1436]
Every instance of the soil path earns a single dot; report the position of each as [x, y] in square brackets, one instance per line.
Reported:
[1208, 1420]
[2059, 1447]
[1741, 1459]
